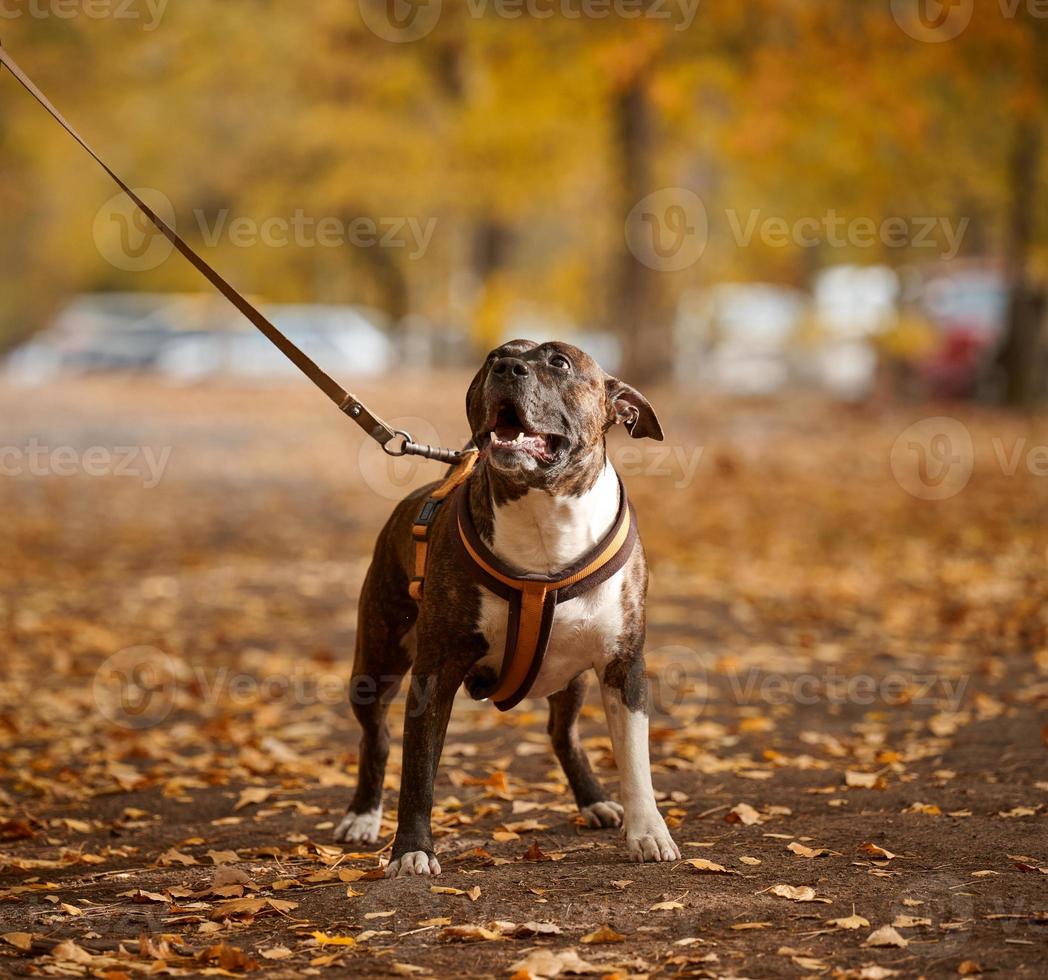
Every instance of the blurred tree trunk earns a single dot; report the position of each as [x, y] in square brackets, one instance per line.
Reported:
[1021, 355]
[640, 317]
[489, 258]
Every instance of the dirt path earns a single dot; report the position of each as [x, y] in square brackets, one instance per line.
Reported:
[837, 667]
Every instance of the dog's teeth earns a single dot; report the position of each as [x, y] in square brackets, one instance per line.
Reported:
[520, 437]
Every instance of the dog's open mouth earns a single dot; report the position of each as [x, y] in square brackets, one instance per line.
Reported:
[510, 436]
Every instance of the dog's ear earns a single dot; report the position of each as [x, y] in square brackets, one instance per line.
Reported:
[632, 409]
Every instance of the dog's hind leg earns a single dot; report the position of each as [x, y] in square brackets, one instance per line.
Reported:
[596, 807]
[381, 660]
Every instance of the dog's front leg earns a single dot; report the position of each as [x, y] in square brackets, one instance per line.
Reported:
[431, 695]
[623, 688]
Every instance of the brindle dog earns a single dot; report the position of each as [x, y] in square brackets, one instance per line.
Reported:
[543, 494]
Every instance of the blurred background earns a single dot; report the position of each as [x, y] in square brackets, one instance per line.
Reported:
[755, 199]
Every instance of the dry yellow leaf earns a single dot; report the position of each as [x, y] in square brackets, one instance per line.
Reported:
[886, 936]
[709, 867]
[324, 939]
[605, 934]
[20, 940]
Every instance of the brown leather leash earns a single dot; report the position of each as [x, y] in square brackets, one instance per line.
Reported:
[383, 433]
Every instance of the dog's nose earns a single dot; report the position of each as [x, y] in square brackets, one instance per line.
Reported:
[510, 367]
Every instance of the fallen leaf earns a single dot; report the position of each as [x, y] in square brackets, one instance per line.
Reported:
[605, 934]
[928, 809]
[171, 857]
[251, 795]
[223, 857]
[886, 936]
[550, 963]
[797, 893]
[469, 934]
[807, 852]
[20, 940]
[537, 929]
[852, 921]
[68, 950]
[709, 867]
[862, 780]
[742, 813]
[323, 939]
[875, 851]
[903, 921]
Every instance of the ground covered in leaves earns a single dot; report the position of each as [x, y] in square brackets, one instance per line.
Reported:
[849, 686]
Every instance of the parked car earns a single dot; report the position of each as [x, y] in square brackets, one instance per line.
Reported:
[966, 305]
[739, 337]
[190, 337]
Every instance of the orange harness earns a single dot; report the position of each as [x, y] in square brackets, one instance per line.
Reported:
[532, 599]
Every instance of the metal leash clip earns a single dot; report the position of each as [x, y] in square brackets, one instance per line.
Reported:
[411, 448]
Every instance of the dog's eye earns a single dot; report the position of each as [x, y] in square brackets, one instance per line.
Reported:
[560, 362]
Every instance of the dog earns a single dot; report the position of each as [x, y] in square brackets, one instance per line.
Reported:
[541, 496]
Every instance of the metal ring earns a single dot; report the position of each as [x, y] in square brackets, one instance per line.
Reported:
[406, 436]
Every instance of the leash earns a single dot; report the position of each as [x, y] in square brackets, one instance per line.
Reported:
[383, 433]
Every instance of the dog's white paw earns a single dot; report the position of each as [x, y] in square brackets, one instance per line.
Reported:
[604, 813]
[413, 863]
[360, 828]
[651, 841]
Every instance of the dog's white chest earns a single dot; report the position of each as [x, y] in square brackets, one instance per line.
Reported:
[544, 534]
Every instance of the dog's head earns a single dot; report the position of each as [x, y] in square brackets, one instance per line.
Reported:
[539, 412]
